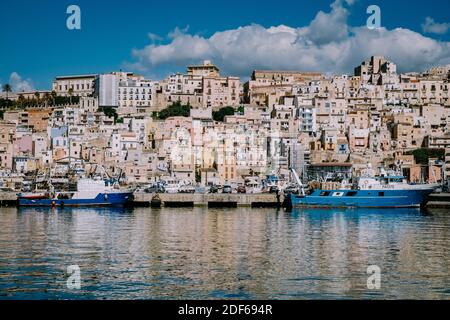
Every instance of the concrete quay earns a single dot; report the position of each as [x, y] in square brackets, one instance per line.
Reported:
[8, 198]
[441, 200]
[184, 200]
[207, 200]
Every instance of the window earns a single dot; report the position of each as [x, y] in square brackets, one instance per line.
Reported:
[381, 194]
[352, 193]
[325, 194]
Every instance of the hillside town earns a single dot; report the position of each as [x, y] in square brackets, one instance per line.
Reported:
[201, 128]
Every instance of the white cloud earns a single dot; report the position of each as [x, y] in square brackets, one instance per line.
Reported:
[431, 26]
[327, 44]
[20, 85]
[154, 37]
[328, 27]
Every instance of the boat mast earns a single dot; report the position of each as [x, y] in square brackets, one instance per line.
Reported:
[299, 182]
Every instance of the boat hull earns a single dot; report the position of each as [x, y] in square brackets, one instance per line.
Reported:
[102, 199]
[361, 199]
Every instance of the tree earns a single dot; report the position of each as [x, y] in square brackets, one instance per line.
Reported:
[20, 100]
[109, 112]
[53, 95]
[47, 99]
[222, 113]
[422, 156]
[59, 100]
[70, 94]
[175, 110]
[7, 88]
[38, 97]
[6, 103]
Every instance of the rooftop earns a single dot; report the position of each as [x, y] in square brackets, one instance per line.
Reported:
[77, 76]
[332, 164]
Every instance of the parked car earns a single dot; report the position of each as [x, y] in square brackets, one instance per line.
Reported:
[438, 190]
[291, 190]
[200, 190]
[187, 189]
[26, 188]
[214, 189]
[155, 189]
[241, 189]
[274, 189]
[227, 189]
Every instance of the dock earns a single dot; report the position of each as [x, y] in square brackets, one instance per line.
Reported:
[439, 201]
[8, 198]
[216, 200]
[212, 200]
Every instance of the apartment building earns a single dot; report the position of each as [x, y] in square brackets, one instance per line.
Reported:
[220, 92]
[77, 85]
[377, 71]
[271, 83]
[7, 139]
[446, 168]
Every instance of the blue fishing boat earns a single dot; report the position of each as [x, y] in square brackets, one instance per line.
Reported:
[89, 192]
[384, 191]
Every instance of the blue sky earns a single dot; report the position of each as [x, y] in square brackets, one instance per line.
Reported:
[36, 45]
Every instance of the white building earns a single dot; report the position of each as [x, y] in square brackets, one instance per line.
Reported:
[124, 90]
[106, 89]
[136, 92]
[306, 113]
[79, 85]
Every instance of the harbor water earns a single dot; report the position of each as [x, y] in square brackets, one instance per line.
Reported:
[200, 253]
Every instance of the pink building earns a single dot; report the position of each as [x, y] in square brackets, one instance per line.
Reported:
[23, 145]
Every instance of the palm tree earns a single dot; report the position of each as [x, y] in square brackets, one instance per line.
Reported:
[38, 98]
[54, 95]
[47, 98]
[7, 88]
[21, 100]
[70, 94]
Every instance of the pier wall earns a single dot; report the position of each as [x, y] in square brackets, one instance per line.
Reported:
[439, 200]
[218, 200]
[208, 200]
[8, 198]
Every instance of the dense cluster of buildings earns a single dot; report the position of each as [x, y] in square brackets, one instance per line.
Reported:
[283, 119]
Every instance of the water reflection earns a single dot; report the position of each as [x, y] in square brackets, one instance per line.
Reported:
[212, 253]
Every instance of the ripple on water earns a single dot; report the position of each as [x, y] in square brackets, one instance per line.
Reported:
[223, 254]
